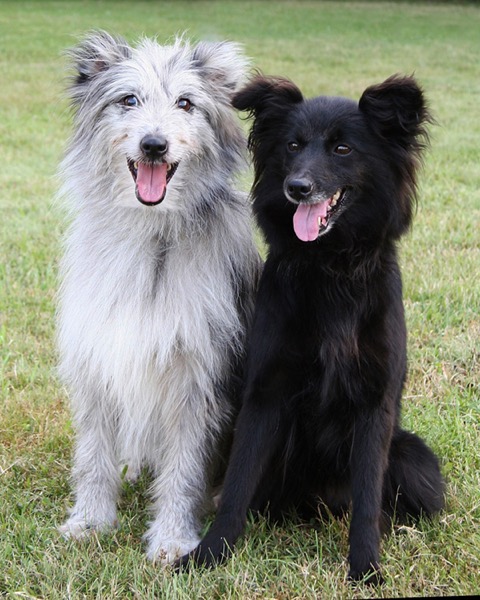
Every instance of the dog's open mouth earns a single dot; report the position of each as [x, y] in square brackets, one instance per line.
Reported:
[311, 220]
[151, 180]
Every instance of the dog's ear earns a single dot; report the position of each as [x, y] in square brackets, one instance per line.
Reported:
[396, 110]
[273, 95]
[97, 53]
[222, 64]
[268, 100]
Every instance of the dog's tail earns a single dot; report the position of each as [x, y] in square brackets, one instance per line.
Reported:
[413, 485]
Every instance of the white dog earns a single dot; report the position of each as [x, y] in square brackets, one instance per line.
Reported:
[159, 274]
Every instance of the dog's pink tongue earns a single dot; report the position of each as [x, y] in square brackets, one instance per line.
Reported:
[305, 220]
[151, 182]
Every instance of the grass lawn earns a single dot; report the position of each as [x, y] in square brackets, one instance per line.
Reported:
[335, 48]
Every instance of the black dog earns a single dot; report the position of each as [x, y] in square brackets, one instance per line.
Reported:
[335, 183]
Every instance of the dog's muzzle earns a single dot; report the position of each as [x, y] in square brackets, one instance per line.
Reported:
[314, 211]
[152, 173]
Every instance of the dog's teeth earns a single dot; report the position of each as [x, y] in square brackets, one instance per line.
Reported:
[322, 222]
[135, 165]
[169, 168]
[334, 199]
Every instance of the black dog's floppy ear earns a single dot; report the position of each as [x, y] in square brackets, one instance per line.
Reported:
[268, 100]
[95, 54]
[272, 94]
[396, 109]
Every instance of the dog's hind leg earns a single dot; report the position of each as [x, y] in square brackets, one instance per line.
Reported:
[95, 471]
[413, 485]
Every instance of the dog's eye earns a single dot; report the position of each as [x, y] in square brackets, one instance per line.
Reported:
[342, 149]
[184, 104]
[293, 146]
[130, 101]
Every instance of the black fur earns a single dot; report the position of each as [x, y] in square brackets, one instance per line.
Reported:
[327, 353]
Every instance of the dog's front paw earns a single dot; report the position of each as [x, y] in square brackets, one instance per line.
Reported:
[209, 553]
[166, 551]
[78, 528]
[370, 576]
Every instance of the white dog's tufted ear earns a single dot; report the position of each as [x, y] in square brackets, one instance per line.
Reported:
[223, 64]
[94, 55]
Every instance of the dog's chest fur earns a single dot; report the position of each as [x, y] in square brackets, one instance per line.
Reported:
[149, 299]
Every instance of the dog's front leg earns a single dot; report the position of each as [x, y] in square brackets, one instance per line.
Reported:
[257, 436]
[180, 486]
[95, 470]
[368, 463]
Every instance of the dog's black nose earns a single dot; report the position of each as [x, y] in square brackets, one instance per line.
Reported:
[299, 189]
[154, 146]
